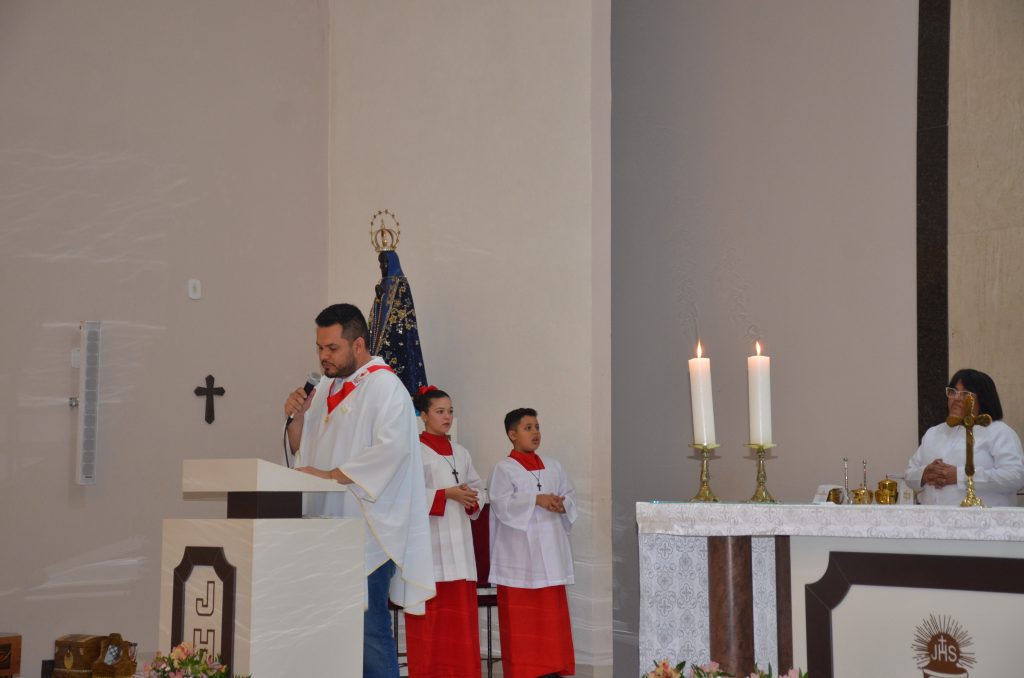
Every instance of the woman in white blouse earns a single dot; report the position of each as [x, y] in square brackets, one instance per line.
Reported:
[937, 468]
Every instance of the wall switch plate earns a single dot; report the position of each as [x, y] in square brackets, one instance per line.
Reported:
[195, 289]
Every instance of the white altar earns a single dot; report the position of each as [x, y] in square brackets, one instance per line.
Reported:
[793, 550]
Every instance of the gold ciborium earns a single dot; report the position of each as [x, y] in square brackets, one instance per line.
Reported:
[887, 492]
[860, 495]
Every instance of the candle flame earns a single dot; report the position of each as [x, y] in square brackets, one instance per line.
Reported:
[699, 352]
[757, 345]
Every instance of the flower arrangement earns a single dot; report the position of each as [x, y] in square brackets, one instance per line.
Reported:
[184, 661]
[665, 669]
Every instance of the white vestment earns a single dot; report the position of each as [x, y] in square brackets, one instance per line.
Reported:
[451, 534]
[372, 437]
[998, 464]
[530, 545]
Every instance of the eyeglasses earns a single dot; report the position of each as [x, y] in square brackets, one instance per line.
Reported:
[958, 395]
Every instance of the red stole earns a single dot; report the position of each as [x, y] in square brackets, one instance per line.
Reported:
[334, 399]
[439, 444]
[531, 461]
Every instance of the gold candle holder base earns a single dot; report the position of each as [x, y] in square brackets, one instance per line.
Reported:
[761, 494]
[972, 500]
[704, 494]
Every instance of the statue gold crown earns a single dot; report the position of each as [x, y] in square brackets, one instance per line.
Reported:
[383, 236]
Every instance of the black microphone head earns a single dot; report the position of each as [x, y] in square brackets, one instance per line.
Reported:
[312, 381]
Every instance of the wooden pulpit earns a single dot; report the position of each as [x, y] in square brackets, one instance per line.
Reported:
[270, 592]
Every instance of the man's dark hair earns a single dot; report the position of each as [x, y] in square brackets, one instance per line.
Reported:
[981, 385]
[513, 417]
[353, 324]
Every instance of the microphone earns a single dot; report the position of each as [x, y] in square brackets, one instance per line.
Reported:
[311, 382]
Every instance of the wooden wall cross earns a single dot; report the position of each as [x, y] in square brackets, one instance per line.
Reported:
[209, 391]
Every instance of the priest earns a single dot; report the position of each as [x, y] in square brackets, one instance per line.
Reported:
[358, 428]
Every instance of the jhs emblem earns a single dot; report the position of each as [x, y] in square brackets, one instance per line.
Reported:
[939, 648]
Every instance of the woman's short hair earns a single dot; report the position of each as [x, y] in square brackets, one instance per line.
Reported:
[981, 385]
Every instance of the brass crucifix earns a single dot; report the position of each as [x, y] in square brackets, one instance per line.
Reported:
[969, 420]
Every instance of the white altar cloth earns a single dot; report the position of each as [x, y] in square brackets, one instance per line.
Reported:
[828, 520]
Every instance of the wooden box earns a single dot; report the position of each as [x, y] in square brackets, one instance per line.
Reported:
[10, 654]
[117, 658]
[74, 654]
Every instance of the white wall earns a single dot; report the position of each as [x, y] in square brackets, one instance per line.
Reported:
[143, 144]
[484, 125]
[763, 187]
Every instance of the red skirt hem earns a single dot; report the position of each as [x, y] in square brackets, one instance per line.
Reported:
[445, 642]
[536, 635]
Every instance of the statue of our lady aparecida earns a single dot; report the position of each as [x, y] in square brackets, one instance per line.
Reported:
[394, 335]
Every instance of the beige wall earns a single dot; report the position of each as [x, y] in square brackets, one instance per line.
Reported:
[484, 125]
[763, 187]
[143, 144]
[986, 195]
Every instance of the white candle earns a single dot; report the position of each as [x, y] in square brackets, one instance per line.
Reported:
[759, 388]
[700, 400]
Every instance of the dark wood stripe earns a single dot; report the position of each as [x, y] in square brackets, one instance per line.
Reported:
[731, 603]
[783, 604]
[264, 504]
[932, 211]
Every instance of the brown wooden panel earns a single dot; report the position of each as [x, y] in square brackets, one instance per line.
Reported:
[783, 603]
[731, 603]
[264, 505]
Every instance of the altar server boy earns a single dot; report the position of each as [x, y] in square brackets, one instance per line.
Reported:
[533, 507]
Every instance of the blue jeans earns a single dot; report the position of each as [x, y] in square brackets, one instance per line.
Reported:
[380, 656]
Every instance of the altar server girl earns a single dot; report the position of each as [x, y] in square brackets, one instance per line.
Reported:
[533, 507]
[445, 642]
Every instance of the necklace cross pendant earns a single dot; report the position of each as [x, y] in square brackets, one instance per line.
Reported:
[538, 485]
[456, 474]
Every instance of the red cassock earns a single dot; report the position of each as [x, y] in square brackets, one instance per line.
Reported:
[536, 636]
[445, 642]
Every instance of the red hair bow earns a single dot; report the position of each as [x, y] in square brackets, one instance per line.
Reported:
[424, 390]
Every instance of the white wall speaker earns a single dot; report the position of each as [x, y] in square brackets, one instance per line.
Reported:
[89, 403]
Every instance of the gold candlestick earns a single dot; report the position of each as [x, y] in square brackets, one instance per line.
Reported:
[705, 453]
[761, 494]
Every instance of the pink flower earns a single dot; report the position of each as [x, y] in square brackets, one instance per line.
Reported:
[663, 669]
[793, 673]
[709, 667]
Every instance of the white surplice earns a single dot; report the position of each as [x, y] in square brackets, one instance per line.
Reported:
[372, 437]
[530, 545]
[451, 534]
[998, 464]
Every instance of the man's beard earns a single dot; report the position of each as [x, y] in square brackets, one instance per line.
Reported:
[340, 371]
